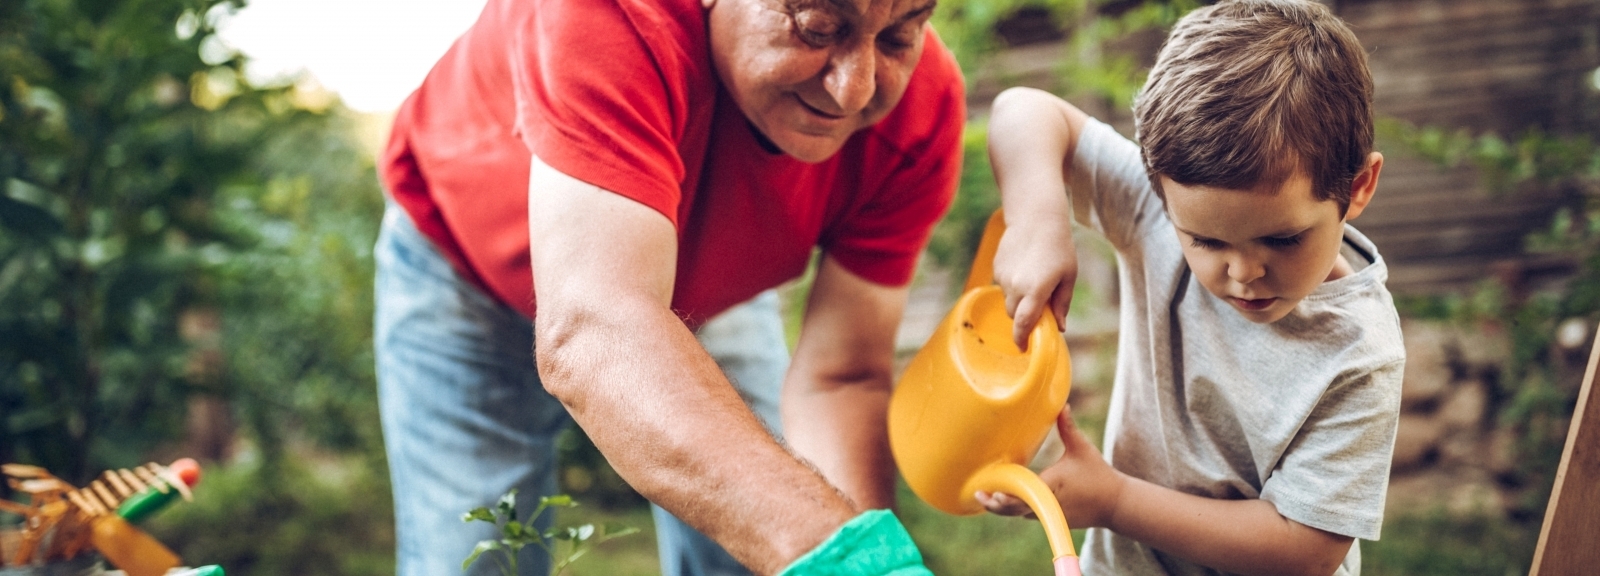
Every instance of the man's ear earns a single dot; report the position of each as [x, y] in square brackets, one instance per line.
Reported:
[1364, 185]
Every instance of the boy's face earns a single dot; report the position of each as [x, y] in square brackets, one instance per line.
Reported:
[1263, 251]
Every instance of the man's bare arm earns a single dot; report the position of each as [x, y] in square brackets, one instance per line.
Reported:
[634, 377]
[836, 395]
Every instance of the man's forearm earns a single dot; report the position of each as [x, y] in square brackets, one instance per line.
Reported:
[666, 418]
[836, 394]
[841, 428]
[1238, 536]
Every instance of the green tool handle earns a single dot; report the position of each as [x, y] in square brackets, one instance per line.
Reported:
[142, 505]
[201, 571]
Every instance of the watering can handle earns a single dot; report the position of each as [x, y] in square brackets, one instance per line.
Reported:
[982, 271]
[1022, 483]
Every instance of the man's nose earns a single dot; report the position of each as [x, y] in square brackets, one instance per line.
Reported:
[852, 80]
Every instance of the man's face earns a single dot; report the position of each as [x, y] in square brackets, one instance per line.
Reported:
[809, 73]
[1261, 251]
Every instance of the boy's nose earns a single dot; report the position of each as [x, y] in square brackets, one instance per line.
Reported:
[1245, 270]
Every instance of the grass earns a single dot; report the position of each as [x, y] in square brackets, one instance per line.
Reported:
[339, 524]
[631, 555]
[976, 545]
[1420, 544]
[952, 546]
[1437, 543]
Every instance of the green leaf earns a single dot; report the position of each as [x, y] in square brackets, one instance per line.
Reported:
[615, 529]
[508, 505]
[512, 530]
[562, 500]
[514, 545]
[483, 546]
[480, 513]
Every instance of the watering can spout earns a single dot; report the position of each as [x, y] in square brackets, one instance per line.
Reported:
[971, 408]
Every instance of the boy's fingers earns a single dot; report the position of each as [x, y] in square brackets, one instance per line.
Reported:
[1013, 300]
[1003, 504]
[1024, 320]
[1060, 302]
[1064, 423]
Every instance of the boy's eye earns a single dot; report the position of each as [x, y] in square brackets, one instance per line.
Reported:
[1206, 243]
[1282, 241]
[818, 27]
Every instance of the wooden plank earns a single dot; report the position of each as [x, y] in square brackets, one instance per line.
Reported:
[1569, 543]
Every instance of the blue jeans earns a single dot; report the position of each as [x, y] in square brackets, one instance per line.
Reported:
[465, 417]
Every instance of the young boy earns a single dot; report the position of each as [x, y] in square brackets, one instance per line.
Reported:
[1258, 374]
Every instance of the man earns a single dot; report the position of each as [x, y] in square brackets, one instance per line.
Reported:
[619, 173]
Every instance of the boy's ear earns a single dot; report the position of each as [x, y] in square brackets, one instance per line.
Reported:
[1364, 185]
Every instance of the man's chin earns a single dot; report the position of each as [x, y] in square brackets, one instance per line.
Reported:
[809, 148]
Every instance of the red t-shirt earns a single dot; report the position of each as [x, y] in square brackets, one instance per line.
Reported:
[622, 95]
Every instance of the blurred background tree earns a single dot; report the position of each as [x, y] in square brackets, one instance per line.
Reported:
[184, 254]
[116, 144]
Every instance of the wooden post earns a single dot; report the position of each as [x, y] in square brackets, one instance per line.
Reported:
[1569, 543]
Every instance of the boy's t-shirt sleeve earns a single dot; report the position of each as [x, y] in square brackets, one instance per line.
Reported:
[1109, 188]
[1334, 474]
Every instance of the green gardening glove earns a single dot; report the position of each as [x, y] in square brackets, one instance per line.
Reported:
[872, 544]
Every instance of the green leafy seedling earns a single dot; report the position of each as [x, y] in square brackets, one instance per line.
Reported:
[515, 535]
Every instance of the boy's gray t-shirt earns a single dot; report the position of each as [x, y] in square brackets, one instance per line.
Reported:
[1301, 412]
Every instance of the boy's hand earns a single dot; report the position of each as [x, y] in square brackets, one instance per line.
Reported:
[1087, 487]
[1036, 265]
[1032, 135]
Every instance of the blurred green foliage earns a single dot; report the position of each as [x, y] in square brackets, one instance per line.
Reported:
[1087, 70]
[171, 231]
[1538, 384]
[307, 516]
[296, 302]
[117, 140]
[955, 239]
[1438, 543]
[968, 28]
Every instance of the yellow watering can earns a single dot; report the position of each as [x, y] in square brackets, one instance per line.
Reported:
[971, 409]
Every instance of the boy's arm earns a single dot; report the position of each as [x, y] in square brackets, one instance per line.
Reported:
[1032, 136]
[1235, 536]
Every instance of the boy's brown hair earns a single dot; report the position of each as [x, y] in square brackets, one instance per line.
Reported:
[1247, 91]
